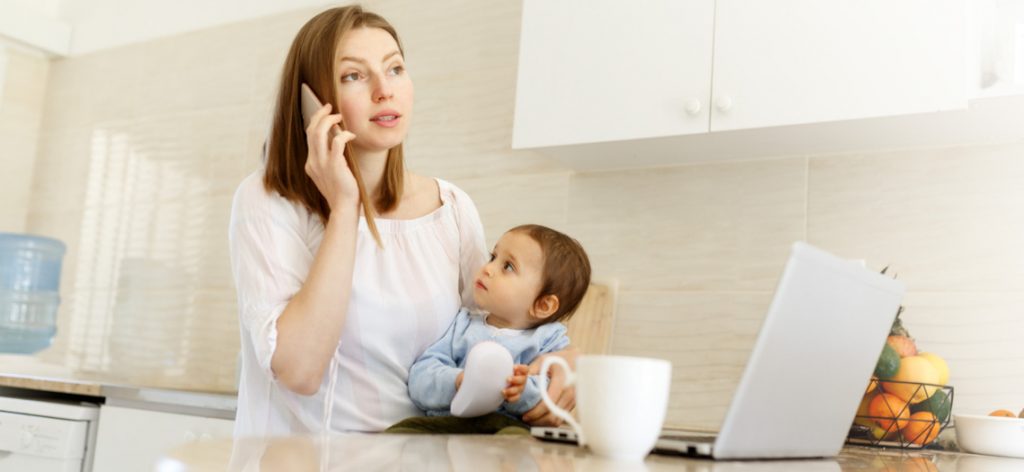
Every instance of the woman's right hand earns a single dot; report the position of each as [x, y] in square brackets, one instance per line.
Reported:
[325, 163]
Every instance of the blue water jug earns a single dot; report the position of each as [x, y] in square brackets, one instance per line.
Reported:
[29, 291]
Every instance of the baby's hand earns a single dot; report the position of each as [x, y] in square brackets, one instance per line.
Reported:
[516, 383]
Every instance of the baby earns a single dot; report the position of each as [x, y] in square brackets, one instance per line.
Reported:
[536, 277]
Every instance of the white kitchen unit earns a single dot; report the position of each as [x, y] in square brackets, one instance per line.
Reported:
[599, 70]
[995, 48]
[133, 439]
[785, 62]
[603, 70]
[47, 436]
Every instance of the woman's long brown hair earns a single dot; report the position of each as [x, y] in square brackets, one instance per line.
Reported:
[311, 60]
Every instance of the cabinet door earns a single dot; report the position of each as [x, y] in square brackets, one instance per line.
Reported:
[606, 70]
[782, 62]
[129, 439]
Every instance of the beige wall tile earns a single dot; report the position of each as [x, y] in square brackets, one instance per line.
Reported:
[23, 83]
[702, 227]
[92, 88]
[204, 69]
[17, 160]
[62, 169]
[12, 220]
[147, 202]
[946, 220]
[708, 337]
[505, 202]
[201, 70]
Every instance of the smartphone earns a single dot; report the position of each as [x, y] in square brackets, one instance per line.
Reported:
[310, 105]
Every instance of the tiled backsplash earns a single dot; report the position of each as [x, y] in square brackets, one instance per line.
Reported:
[143, 145]
[22, 91]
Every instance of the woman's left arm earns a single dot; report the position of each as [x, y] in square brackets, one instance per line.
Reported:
[565, 397]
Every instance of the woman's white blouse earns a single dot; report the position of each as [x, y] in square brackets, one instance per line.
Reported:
[403, 298]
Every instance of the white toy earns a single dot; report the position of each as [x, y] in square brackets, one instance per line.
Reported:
[488, 367]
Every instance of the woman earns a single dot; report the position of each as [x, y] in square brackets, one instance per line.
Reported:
[346, 272]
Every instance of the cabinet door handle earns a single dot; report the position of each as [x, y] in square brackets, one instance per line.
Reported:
[723, 103]
[693, 107]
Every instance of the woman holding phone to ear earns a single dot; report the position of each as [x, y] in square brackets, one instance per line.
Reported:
[346, 272]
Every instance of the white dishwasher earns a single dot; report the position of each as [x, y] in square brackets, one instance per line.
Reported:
[47, 436]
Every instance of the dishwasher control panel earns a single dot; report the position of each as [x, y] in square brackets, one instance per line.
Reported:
[42, 436]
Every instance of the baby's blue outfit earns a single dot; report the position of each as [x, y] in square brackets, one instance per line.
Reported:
[432, 376]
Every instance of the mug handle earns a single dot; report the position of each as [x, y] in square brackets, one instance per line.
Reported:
[570, 380]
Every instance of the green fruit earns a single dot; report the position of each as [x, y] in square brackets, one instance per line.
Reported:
[939, 404]
[888, 363]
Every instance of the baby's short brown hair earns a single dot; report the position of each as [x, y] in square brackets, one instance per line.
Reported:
[566, 272]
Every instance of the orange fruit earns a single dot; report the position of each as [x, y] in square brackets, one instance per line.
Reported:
[886, 407]
[1006, 413]
[922, 428]
[916, 370]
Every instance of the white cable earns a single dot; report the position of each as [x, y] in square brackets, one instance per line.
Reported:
[329, 394]
[325, 448]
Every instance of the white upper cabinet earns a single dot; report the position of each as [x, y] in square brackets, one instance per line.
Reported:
[995, 48]
[608, 70]
[593, 71]
[783, 62]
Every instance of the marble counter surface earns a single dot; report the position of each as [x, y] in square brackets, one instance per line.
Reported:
[359, 452]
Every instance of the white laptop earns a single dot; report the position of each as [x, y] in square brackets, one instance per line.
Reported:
[816, 350]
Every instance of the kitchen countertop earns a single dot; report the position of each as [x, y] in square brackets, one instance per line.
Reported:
[32, 373]
[360, 452]
[25, 375]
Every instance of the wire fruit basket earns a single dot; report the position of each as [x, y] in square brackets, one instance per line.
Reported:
[886, 420]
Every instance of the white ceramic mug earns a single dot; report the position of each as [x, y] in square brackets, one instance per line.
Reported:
[621, 402]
